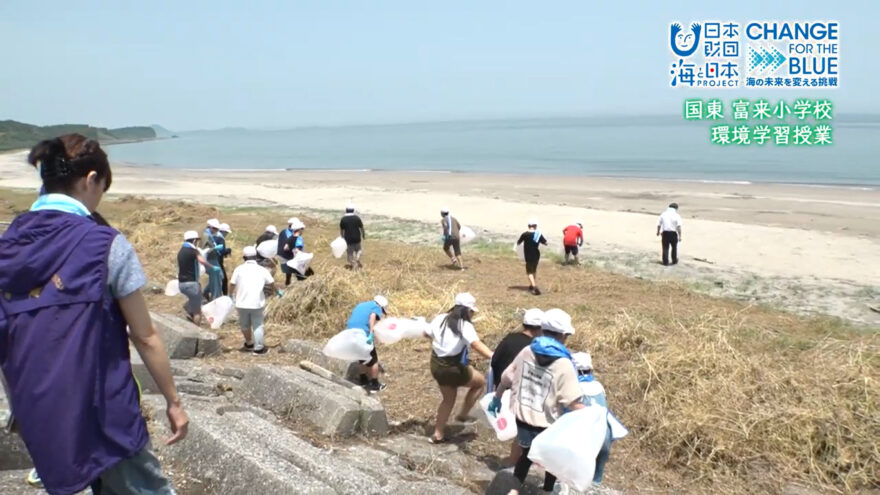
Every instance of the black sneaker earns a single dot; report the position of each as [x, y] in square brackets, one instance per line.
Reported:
[363, 380]
[247, 347]
[263, 350]
[375, 386]
[537, 291]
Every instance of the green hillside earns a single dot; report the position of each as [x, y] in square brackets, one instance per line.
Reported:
[18, 135]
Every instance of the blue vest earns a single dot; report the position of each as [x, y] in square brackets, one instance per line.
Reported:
[64, 349]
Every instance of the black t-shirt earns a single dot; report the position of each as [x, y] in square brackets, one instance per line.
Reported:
[530, 247]
[351, 226]
[506, 352]
[285, 237]
[187, 265]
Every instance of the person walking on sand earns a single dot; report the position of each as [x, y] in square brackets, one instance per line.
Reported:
[351, 228]
[531, 241]
[542, 384]
[364, 316]
[669, 227]
[248, 281]
[452, 335]
[508, 349]
[70, 286]
[188, 260]
[451, 237]
[572, 239]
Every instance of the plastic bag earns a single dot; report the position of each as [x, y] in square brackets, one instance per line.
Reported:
[504, 423]
[217, 310]
[618, 431]
[519, 249]
[391, 330]
[172, 288]
[349, 345]
[202, 270]
[268, 249]
[301, 262]
[568, 448]
[338, 247]
[466, 235]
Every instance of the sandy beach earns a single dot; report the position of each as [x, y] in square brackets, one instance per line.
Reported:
[804, 248]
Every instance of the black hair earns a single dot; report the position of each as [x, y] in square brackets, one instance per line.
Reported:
[454, 318]
[534, 328]
[66, 159]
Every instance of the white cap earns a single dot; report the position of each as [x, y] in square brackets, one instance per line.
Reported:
[349, 207]
[467, 300]
[272, 229]
[580, 223]
[582, 361]
[296, 224]
[292, 220]
[381, 301]
[533, 221]
[249, 252]
[224, 227]
[445, 209]
[557, 320]
[214, 223]
[533, 317]
[190, 234]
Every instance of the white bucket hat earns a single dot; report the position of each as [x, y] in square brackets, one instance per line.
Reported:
[272, 229]
[249, 252]
[381, 301]
[349, 207]
[292, 220]
[190, 235]
[533, 221]
[224, 227]
[467, 300]
[582, 361]
[533, 317]
[213, 223]
[557, 320]
[444, 210]
[296, 224]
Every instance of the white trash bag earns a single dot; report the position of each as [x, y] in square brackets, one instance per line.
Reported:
[519, 249]
[268, 249]
[391, 330]
[349, 345]
[217, 310]
[568, 448]
[172, 288]
[202, 270]
[466, 235]
[504, 423]
[301, 262]
[338, 247]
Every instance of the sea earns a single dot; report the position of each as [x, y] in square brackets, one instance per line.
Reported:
[655, 148]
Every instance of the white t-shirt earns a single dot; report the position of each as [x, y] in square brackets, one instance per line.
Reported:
[446, 343]
[669, 220]
[249, 280]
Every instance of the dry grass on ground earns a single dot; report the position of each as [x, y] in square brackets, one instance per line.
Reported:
[718, 396]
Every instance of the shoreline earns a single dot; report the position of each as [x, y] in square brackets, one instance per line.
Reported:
[806, 249]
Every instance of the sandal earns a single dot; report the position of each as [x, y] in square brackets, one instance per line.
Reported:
[437, 441]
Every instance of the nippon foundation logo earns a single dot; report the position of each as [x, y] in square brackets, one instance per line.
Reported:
[714, 54]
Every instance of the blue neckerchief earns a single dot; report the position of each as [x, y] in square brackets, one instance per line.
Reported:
[536, 236]
[585, 378]
[549, 347]
[189, 245]
[60, 202]
[288, 232]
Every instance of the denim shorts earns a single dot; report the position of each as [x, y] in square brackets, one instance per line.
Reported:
[526, 433]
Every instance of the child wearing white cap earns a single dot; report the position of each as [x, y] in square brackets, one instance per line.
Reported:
[452, 336]
[531, 240]
[247, 283]
[290, 241]
[508, 349]
[188, 260]
[364, 317]
[451, 237]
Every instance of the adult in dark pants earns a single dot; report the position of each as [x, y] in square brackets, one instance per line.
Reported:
[531, 241]
[188, 260]
[351, 228]
[507, 350]
[669, 227]
[451, 237]
[287, 247]
[225, 230]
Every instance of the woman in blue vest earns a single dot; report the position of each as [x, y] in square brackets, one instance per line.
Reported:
[70, 384]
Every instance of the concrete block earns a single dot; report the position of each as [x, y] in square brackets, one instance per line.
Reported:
[303, 350]
[330, 408]
[504, 481]
[142, 374]
[446, 460]
[182, 339]
[13, 453]
[14, 482]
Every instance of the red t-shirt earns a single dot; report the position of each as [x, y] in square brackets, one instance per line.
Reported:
[571, 234]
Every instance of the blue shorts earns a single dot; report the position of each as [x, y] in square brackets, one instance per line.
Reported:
[526, 433]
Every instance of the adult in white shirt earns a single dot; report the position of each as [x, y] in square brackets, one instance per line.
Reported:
[669, 227]
[247, 285]
[452, 335]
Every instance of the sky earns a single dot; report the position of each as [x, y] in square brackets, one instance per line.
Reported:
[198, 64]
